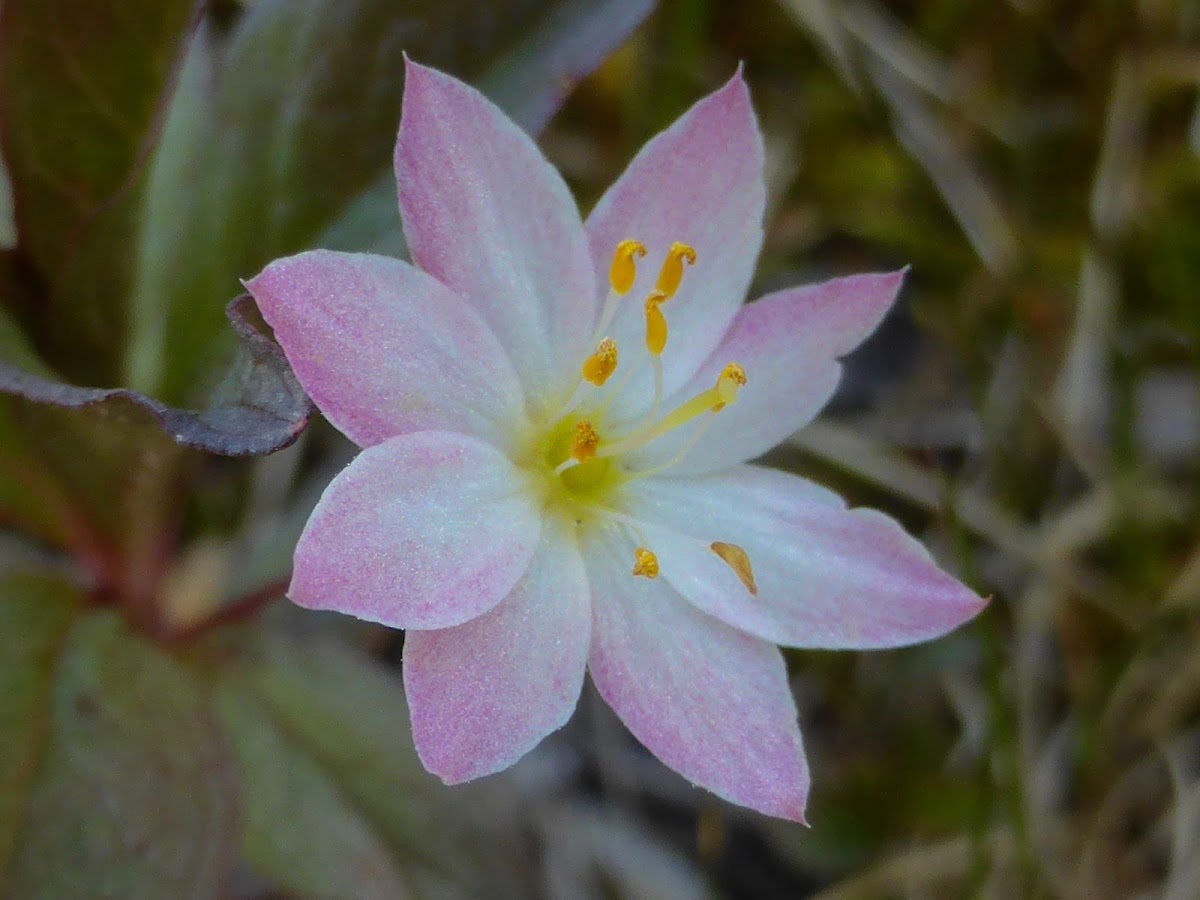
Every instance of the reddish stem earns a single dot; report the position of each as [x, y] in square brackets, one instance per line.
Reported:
[231, 613]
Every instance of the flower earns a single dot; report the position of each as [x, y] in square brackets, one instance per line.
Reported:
[555, 420]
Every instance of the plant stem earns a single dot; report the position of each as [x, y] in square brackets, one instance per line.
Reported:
[240, 610]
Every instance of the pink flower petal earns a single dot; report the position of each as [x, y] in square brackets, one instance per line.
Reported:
[425, 530]
[385, 349]
[699, 182]
[488, 215]
[788, 343]
[826, 576]
[709, 701]
[485, 693]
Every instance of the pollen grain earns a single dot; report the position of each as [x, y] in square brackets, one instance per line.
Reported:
[645, 563]
[585, 441]
[598, 367]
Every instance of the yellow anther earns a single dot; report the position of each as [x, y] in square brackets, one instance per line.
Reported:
[656, 323]
[624, 266]
[738, 560]
[645, 563]
[731, 380]
[735, 373]
[671, 275]
[585, 442]
[598, 367]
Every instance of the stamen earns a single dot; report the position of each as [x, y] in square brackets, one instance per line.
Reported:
[715, 399]
[689, 445]
[732, 379]
[671, 275]
[656, 406]
[645, 563]
[738, 560]
[621, 277]
[586, 440]
[624, 267]
[656, 343]
[598, 367]
[656, 323]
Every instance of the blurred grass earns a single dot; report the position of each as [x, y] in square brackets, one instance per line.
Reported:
[1038, 165]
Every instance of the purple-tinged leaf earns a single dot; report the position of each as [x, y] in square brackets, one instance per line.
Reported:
[259, 408]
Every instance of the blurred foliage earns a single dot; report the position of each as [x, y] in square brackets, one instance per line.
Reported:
[133, 794]
[321, 79]
[1032, 409]
[79, 113]
[1038, 165]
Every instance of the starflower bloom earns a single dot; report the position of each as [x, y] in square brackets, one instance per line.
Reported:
[555, 419]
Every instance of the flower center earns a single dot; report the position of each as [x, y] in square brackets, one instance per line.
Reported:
[579, 459]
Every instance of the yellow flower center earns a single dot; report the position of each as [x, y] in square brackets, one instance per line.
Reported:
[576, 460]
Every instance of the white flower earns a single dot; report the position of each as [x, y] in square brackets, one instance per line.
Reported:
[556, 419]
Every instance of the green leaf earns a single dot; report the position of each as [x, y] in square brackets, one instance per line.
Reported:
[334, 853]
[15, 349]
[8, 225]
[278, 133]
[35, 612]
[81, 88]
[133, 797]
[337, 803]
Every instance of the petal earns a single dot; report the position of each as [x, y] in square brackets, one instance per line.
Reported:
[788, 343]
[425, 530]
[709, 701]
[485, 693]
[384, 349]
[699, 182]
[827, 576]
[487, 214]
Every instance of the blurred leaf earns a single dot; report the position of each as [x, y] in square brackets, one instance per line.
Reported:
[34, 496]
[966, 193]
[820, 18]
[269, 542]
[594, 851]
[97, 481]
[15, 349]
[35, 611]
[133, 797]
[8, 225]
[299, 829]
[338, 803]
[566, 44]
[279, 132]
[81, 88]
